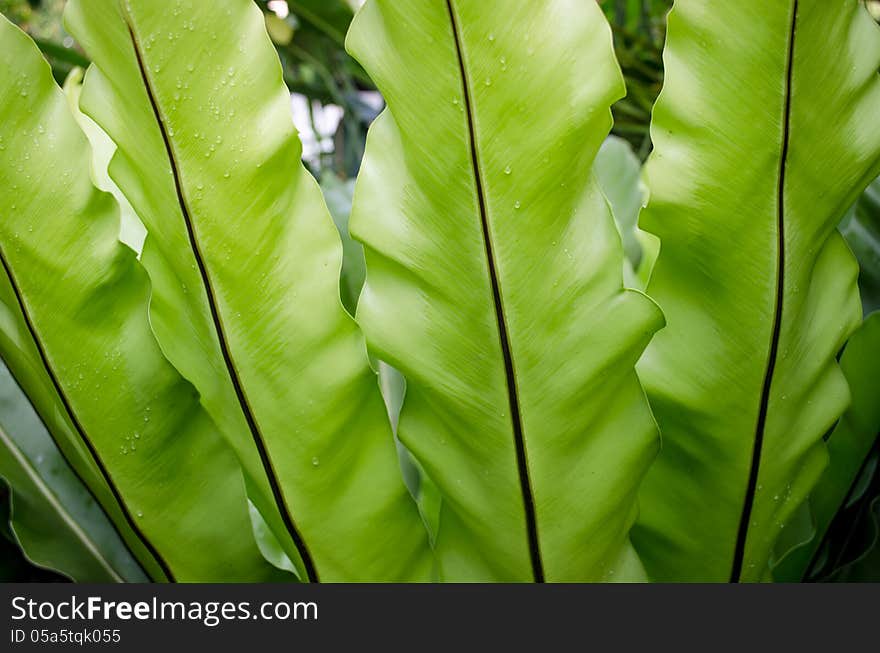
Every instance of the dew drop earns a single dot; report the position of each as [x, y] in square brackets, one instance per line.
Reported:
[488, 81]
[507, 170]
[517, 205]
[491, 37]
[315, 461]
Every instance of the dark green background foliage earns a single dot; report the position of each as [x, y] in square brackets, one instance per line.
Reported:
[14, 567]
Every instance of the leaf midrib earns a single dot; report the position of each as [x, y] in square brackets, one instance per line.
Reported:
[241, 396]
[751, 488]
[512, 392]
[74, 419]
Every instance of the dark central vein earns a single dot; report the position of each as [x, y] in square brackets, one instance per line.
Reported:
[259, 440]
[65, 401]
[516, 417]
[743, 532]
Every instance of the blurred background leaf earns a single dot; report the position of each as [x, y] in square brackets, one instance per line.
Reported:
[42, 20]
[49, 513]
[339, 194]
[310, 38]
[618, 170]
[851, 549]
[861, 228]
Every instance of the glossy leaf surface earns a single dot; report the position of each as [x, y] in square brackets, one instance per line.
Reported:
[76, 331]
[758, 286]
[494, 282]
[244, 260]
